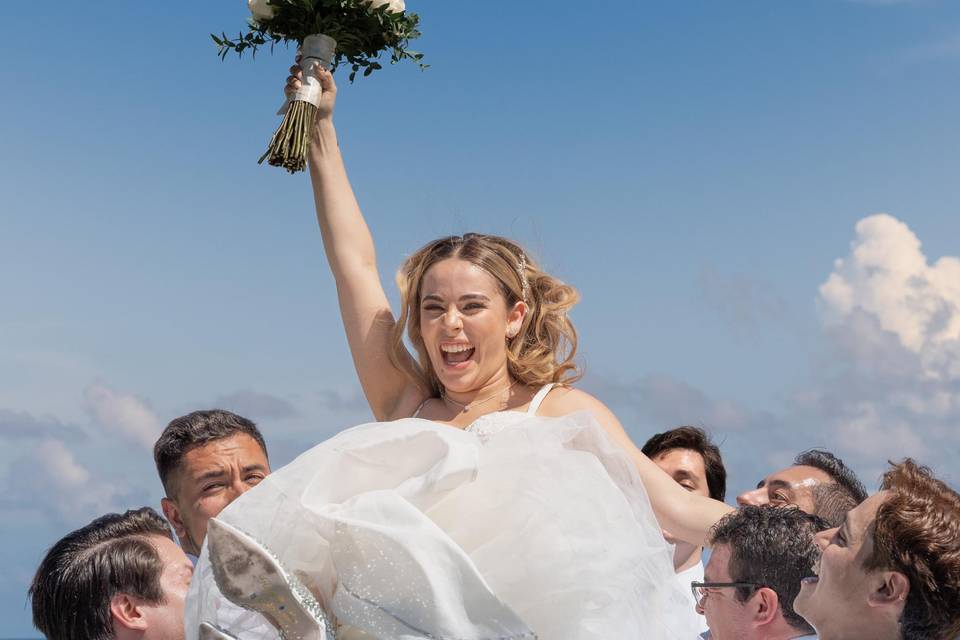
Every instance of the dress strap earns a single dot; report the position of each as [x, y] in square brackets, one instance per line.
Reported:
[416, 414]
[538, 399]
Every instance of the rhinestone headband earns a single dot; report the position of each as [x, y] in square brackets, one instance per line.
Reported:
[522, 272]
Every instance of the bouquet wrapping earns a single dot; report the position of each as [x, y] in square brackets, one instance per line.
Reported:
[328, 33]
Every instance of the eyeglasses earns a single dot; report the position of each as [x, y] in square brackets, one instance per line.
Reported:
[700, 588]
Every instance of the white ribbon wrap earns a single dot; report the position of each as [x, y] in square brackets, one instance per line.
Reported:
[317, 49]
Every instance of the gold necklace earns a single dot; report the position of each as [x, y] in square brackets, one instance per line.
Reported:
[464, 407]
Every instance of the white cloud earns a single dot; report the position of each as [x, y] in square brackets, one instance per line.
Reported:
[887, 279]
[21, 425]
[890, 385]
[50, 479]
[121, 414]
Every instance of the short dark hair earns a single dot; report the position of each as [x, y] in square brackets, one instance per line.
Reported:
[772, 546]
[695, 439]
[194, 430]
[836, 469]
[917, 533]
[81, 573]
[832, 502]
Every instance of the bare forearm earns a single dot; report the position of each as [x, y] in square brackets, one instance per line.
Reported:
[346, 238]
[686, 515]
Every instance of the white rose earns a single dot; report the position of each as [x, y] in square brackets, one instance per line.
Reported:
[395, 6]
[261, 10]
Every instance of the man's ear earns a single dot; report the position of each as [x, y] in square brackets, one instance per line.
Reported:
[893, 590]
[172, 513]
[125, 612]
[765, 606]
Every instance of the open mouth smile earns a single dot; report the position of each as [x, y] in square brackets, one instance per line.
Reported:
[456, 354]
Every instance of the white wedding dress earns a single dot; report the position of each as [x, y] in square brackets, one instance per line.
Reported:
[516, 527]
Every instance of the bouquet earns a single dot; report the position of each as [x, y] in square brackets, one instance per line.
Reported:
[330, 33]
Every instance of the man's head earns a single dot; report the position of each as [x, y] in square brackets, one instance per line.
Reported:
[206, 460]
[766, 551]
[688, 455]
[120, 577]
[892, 569]
[802, 483]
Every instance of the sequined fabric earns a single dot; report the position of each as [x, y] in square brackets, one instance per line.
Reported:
[519, 527]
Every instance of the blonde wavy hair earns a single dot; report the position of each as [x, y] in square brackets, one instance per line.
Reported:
[543, 349]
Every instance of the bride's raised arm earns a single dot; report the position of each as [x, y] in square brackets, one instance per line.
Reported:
[686, 515]
[364, 307]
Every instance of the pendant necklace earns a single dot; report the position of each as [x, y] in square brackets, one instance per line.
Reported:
[464, 407]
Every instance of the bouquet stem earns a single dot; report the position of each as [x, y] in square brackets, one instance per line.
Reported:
[291, 141]
[289, 145]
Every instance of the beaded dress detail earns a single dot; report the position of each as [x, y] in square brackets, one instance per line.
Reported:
[517, 527]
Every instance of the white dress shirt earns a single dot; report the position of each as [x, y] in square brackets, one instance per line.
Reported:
[685, 577]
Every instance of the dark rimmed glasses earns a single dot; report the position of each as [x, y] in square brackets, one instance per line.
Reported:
[700, 588]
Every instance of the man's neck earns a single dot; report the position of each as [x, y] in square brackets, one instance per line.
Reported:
[862, 627]
[779, 629]
[686, 556]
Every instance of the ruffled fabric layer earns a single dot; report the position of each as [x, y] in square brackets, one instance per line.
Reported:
[413, 529]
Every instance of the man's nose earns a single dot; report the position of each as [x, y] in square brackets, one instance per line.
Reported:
[239, 487]
[822, 538]
[755, 497]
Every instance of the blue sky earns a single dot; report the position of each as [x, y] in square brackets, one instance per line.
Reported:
[695, 168]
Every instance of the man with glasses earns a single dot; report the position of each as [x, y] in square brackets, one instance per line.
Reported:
[760, 555]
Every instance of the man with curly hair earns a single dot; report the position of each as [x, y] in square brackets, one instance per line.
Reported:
[759, 556]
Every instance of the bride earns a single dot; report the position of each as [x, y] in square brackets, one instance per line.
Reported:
[490, 500]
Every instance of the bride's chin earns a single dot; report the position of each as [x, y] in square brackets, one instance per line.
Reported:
[455, 384]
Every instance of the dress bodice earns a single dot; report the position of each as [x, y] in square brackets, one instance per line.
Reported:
[490, 424]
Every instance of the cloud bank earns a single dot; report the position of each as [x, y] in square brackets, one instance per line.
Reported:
[891, 320]
[123, 415]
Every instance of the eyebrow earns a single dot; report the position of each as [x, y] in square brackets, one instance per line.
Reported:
[217, 473]
[779, 484]
[466, 296]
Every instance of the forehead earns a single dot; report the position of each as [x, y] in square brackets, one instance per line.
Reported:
[453, 277]
[799, 475]
[238, 447]
[673, 460]
[170, 553]
[862, 516]
[718, 567]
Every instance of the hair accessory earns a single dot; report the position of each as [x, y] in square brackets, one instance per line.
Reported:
[522, 272]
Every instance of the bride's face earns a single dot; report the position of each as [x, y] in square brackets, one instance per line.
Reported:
[465, 323]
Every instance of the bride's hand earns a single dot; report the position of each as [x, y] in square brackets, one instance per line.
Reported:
[328, 86]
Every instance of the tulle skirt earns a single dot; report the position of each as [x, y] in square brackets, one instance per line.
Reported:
[413, 529]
